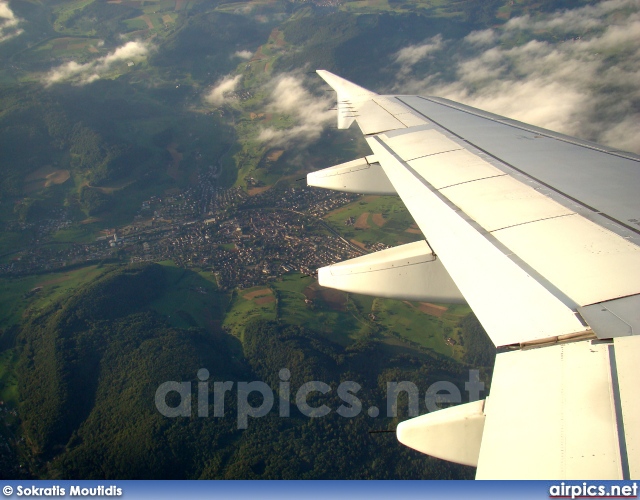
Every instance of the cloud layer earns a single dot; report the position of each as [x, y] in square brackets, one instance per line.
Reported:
[82, 74]
[8, 22]
[311, 113]
[587, 84]
[220, 92]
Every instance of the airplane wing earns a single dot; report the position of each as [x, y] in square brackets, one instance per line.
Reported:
[540, 234]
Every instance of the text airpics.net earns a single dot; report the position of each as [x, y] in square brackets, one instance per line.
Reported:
[437, 393]
[586, 490]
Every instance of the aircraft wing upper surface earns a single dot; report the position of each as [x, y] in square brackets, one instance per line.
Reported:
[540, 234]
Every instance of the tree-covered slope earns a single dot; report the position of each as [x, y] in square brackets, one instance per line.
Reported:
[91, 364]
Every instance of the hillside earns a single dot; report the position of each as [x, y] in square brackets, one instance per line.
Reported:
[89, 367]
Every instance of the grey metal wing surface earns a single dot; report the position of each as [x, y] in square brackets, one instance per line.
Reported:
[540, 234]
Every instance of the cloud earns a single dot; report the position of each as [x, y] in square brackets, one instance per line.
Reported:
[411, 55]
[581, 19]
[8, 22]
[586, 85]
[311, 113]
[484, 37]
[220, 92]
[82, 74]
[243, 54]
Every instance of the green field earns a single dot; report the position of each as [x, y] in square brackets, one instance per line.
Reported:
[241, 310]
[393, 231]
[191, 299]
[405, 320]
[155, 9]
[78, 233]
[19, 299]
[327, 312]
[345, 318]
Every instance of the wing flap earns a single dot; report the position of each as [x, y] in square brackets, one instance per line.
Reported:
[627, 359]
[410, 120]
[563, 406]
[500, 202]
[454, 167]
[419, 143]
[400, 111]
[378, 119]
[391, 105]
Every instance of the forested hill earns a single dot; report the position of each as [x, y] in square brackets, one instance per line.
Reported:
[91, 364]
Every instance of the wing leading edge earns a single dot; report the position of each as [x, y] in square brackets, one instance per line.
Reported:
[515, 226]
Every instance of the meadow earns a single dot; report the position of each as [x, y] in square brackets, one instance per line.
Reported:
[377, 219]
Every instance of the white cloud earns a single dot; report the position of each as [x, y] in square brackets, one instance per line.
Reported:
[288, 96]
[222, 89]
[587, 84]
[411, 55]
[574, 20]
[129, 51]
[82, 74]
[8, 22]
[484, 37]
[243, 54]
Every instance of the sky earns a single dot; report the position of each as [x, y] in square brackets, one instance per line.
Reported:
[576, 71]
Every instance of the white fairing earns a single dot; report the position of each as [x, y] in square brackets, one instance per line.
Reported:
[540, 234]
[452, 434]
[409, 272]
[363, 176]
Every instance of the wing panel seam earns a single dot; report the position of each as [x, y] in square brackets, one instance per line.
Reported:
[436, 154]
[554, 189]
[550, 287]
[532, 222]
[473, 180]
[519, 126]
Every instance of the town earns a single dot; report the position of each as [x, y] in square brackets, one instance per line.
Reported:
[243, 240]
